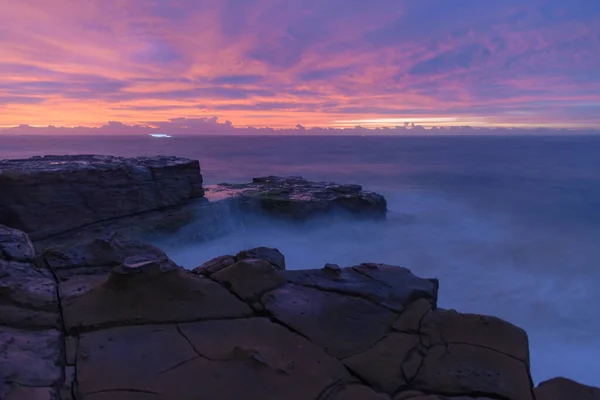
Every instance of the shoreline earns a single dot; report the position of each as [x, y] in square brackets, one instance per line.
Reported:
[104, 266]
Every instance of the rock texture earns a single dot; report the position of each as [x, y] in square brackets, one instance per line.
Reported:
[562, 388]
[30, 323]
[296, 198]
[48, 195]
[116, 319]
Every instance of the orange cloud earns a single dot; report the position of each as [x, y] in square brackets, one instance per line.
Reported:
[327, 64]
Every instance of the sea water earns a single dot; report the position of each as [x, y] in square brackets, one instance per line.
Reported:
[510, 225]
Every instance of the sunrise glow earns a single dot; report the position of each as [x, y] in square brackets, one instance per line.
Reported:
[318, 64]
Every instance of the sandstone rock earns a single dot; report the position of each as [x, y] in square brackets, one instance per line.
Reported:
[390, 286]
[27, 296]
[463, 370]
[250, 278]
[384, 366]
[448, 326]
[214, 265]
[71, 345]
[298, 199]
[31, 393]
[415, 395]
[99, 255]
[28, 359]
[565, 389]
[342, 325]
[238, 359]
[47, 195]
[356, 392]
[411, 319]
[15, 245]
[150, 296]
[273, 256]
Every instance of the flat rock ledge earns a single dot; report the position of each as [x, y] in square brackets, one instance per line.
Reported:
[295, 198]
[115, 319]
[63, 198]
[44, 196]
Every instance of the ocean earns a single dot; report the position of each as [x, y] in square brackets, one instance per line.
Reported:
[510, 225]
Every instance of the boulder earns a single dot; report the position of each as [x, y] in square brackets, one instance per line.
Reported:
[295, 198]
[47, 195]
[271, 255]
[565, 389]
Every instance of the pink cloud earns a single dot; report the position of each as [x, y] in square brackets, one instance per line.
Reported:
[255, 62]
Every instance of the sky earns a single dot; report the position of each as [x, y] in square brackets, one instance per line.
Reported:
[211, 66]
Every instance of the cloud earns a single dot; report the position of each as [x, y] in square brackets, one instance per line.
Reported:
[461, 58]
[311, 62]
[212, 126]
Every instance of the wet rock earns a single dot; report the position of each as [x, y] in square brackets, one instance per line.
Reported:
[565, 389]
[15, 245]
[273, 256]
[158, 293]
[47, 195]
[390, 286]
[28, 359]
[100, 255]
[342, 325]
[250, 278]
[214, 265]
[296, 198]
[236, 359]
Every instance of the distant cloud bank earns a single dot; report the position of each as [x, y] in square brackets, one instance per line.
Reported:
[211, 126]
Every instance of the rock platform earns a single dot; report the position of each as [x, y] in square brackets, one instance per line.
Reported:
[45, 196]
[116, 319]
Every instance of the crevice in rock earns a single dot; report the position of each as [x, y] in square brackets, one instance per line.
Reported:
[344, 293]
[129, 323]
[180, 363]
[330, 389]
[370, 277]
[63, 360]
[125, 390]
[178, 328]
[447, 343]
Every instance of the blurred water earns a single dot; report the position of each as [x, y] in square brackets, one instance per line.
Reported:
[510, 225]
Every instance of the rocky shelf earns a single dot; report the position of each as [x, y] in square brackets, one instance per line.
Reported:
[295, 198]
[104, 316]
[116, 319]
[48, 195]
